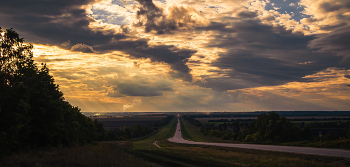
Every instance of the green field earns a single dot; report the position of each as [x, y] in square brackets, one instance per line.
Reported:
[297, 122]
[322, 121]
[89, 155]
[191, 132]
[195, 135]
[167, 131]
[174, 154]
[216, 123]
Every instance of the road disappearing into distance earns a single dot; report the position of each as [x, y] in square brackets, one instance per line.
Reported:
[300, 150]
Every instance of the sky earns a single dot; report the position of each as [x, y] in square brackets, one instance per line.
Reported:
[191, 55]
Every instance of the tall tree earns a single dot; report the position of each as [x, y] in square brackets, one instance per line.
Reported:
[15, 62]
[33, 111]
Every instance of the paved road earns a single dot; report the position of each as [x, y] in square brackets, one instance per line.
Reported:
[303, 150]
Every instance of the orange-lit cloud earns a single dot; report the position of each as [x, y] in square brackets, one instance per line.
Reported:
[166, 55]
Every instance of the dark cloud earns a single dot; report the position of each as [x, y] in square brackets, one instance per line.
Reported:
[347, 76]
[153, 18]
[225, 83]
[169, 54]
[247, 14]
[53, 22]
[54, 7]
[332, 27]
[137, 90]
[53, 60]
[262, 55]
[338, 42]
[45, 59]
[82, 48]
[139, 87]
[269, 18]
[331, 7]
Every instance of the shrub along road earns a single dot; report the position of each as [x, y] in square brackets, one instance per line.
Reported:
[301, 150]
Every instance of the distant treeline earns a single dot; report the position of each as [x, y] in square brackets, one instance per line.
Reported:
[270, 128]
[136, 130]
[281, 113]
[232, 120]
[295, 119]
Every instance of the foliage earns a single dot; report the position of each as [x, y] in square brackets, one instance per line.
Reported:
[185, 134]
[167, 131]
[100, 154]
[270, 125]
[192, 120]
[270, 128]
[129, 132]
[137, 130]
[174, 154]
[164, 121]
[33, 110]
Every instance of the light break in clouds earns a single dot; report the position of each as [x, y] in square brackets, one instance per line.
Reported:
[144, 55]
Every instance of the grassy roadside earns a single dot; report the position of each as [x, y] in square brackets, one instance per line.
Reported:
[166, 132]
[174, 154]
[341, 143]
[100, 154]
[193, 155]
[195, 135]
[191, 132]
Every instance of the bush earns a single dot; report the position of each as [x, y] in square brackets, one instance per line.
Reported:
[226, 136]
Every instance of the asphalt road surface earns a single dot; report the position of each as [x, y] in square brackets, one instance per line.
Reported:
[302, 150]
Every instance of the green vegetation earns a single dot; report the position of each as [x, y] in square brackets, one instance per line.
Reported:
[100, 154]
[193, 132]
[174, 154]
[137, 130]
[196, 134]
[34, 113]
[129, 132]
[343, 143]
[188, 155]
[270, 128]
[321, 121]
[33, 110]
[215, 123]
[161, 136]
[273, 128]
[184, 131]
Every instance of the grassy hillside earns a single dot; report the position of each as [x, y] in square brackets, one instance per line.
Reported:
[99, 154]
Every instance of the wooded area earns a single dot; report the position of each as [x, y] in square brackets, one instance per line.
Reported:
[33, 111]
[270, 128]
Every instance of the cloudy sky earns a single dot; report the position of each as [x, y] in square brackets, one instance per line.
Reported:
[187, 55]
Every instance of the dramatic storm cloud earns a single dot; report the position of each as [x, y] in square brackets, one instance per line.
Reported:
[263, 55]
[162, 55]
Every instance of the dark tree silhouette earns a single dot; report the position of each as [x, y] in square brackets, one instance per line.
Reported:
[33, 111]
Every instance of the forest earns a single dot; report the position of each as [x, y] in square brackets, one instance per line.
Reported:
[270, 128]
[33, 111]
